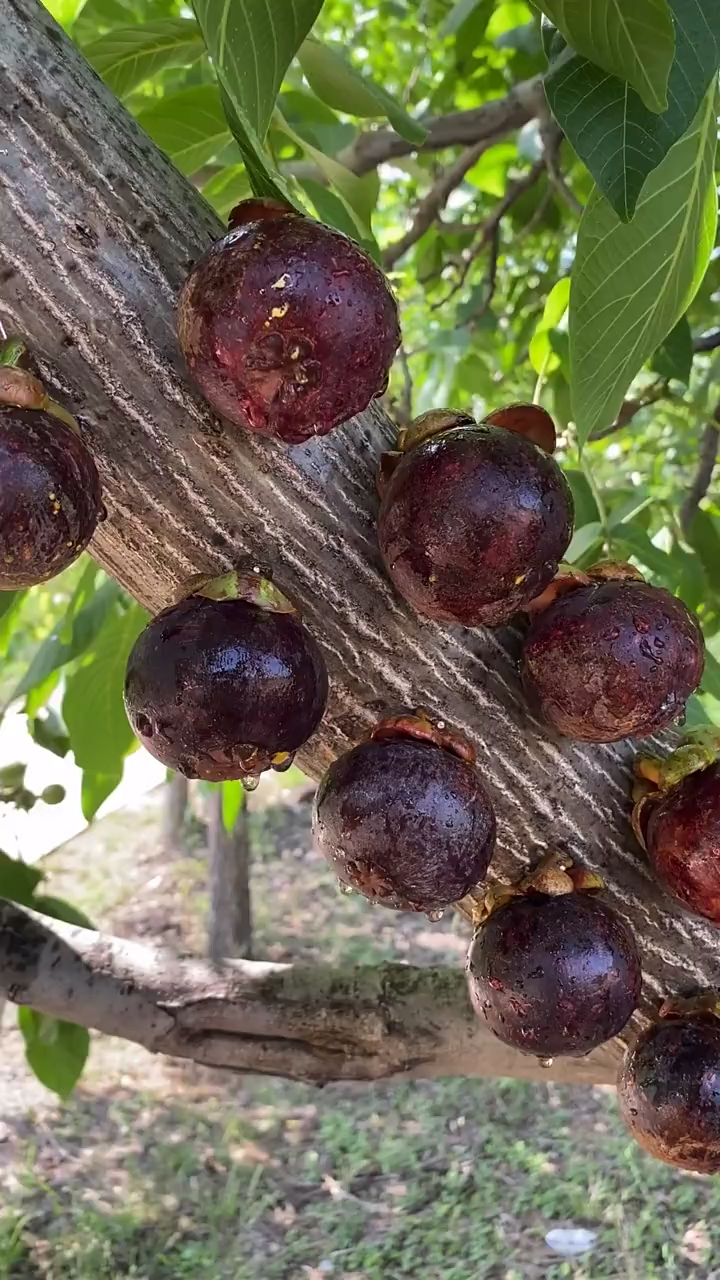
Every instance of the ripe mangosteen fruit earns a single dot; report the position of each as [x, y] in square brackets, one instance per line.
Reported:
[610, 656]
[50, 496]
[226, 683]
[474, 517]
[404, 818]
[669, 1086]
[552, 969]
[677, 821]
[287, 327]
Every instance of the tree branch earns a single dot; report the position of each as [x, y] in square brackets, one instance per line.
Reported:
[314, 1023]
[487, 124]
[432, 204]
[629, 408]
[703, 475]
[707, 341]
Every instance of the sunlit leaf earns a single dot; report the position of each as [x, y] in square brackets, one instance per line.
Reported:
[56, 1051]
[337, 83]
[674, 358]
[189, 126]
[127, 56]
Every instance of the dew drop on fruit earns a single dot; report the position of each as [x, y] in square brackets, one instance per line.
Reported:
[434, 916]
[345, 888]
[545, 1062]
[251, 783]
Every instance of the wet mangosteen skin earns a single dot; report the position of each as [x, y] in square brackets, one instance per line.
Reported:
[50, 497]
[683, 841]
[554, 975]
[473, 524]
[615, 659]
[209, 680]
[287, 326]
[669, 1092]
[406, 823]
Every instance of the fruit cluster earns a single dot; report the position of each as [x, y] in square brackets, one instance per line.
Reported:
[288, 329]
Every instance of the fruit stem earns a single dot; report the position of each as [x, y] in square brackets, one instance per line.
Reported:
[691, 756]
[248, 585]
[12, 351]
[422, 727]
[555, 875]
[705, 1004]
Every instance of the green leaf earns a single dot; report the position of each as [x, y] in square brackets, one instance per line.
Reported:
[56, 1051]
[93, 707]
[49, 732]
[583, 540]
[634, 40]
[58, 909]
[632, 282]
[357, 194]
[586, 511]
[96, 787]
[606, 122]
[11, 603]
[227, 188]
[338, 84]
[233, 798]
[674, 358]
[128, 56]
[333, 211]
[704, 538]
[189, 126]
[83, 625]
[711, 676]
[459, 14]
[18, 881]
[635, 540]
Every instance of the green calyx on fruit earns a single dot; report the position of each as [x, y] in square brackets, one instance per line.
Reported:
[20, 389]
[251, 585]
[554, 875]
[420, 726]
[655, 776]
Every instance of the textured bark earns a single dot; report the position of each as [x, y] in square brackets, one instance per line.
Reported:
[316, 1023]
[97, 232]
[230, 923]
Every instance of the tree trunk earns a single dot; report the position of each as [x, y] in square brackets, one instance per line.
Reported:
[230, 923]
[175, 803]
[97, 233]
[306, 1022]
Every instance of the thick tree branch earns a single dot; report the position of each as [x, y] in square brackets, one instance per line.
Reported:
[706, 465]
[657, 391]
[432, 204]
[310, 1023]
[488, 123]
[707, 341]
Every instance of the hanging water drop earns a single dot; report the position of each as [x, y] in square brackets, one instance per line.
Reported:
[251, 783]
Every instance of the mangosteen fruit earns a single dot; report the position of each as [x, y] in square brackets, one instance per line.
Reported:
[677, 821]
[227, 682]
[552, 969]
[50, 496]
[610, 656]
[669, 1085]
[474, 517]
[404, 819]
[286, 325]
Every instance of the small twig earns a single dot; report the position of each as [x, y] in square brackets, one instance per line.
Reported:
[658, 391]
[552, 140]
[486, 230]
[707, 341]
[490, 281]
[432, 204]
[707, 458]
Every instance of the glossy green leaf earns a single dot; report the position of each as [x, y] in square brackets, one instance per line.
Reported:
[586, 511]
[336, 82]
[18, 881]
[632, 282]
[634, 40]
[673, 359]
[611, 129]
[583, 539]
[95, 789]
[127, 56]
[633, 539]
[359, 195]
[84, 624]
[227, 188]
[459, 15]
[189, 126]
[56, 1051]
[93, 707]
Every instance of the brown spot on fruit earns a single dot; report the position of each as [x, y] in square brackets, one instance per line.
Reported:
[40, 455]
[227, 686]
[669, 1092]
[473, 524]
[405, 822]
[554, 975]
[613, 659]
[299, 368]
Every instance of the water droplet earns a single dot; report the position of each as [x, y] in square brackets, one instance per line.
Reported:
[433, 916]
[251, 782]
[345, 888]
[545, 1062]
[441, 724]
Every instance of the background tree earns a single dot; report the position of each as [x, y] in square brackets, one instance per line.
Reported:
[458, 143]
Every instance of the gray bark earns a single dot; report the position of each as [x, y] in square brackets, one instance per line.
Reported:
[230, 922]
[316, 1023]
[97, 233]
[175, 803]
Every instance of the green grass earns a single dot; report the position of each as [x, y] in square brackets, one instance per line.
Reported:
[168, 1173]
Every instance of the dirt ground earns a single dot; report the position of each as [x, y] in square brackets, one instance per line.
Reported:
[160, 1170]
